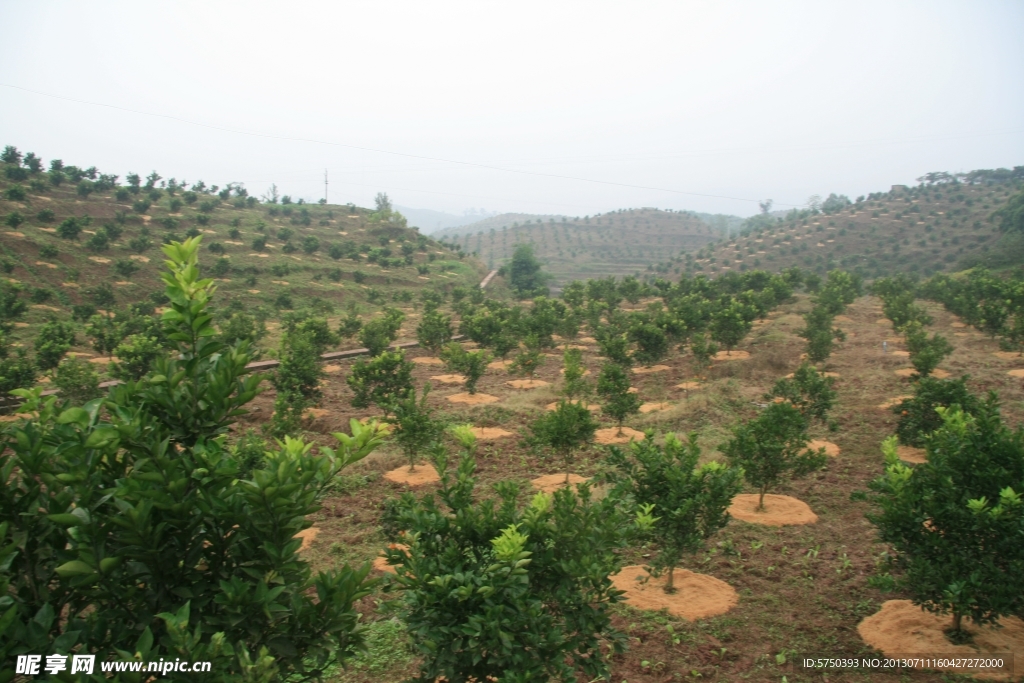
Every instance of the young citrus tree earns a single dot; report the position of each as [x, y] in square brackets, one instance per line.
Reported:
[434, 330]
[703, 350]
[528, 359]
[925, 353]
[125, 528]
[572, 374]
[471, 364]
[565, 430]
[490, 589]
[689, 503]
[731, 324]
[415, 426]
[381, 381]
[651, 343]
[772, 448]
[809, 391]
[954, 521]
[613, 388]
[379, 333]
[918, 417]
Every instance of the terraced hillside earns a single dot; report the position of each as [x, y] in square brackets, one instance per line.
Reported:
[922, 229]
[618, 243]
[88, 243]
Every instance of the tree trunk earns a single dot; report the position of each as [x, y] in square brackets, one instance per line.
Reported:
[957, 619]
[760, 501]
[670, 585]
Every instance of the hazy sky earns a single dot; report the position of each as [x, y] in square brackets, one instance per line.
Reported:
[749, 100]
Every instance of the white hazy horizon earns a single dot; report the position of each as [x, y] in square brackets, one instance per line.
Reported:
[556, 108]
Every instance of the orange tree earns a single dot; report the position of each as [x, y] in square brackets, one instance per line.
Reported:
[126, 528]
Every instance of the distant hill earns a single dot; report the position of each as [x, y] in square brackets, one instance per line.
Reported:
[430, 222]
[496, 222]
[619, 243]
[920, 229]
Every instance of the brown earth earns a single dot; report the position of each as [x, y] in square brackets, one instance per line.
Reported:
[490, 433]
[473, 399]
[527, 383]
[612, 436]
[648, 370]
[654, 407]
[423, 474]
[308, 536]
[732, 355]
[549, 483]
[778, 510]
[427, 360]
[696, 596]
[912, 454]
[831, 449]
[448, 379]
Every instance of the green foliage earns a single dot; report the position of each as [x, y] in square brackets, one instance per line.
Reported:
[139, 535]
[918, 417]
[496, 328]
[382, 381]
[1011, 214]
[297, 379]
[689, 503]
[493, 591]
[524, 273]
[614, 345]
[242, 327]
[470, 364]
[250, 453]
[572, 374]
[925, 353]
[16, 372]
[954, 521]
[15, 193]
[350, 324]
[820, 334]
[772, 448]
[613, 388]
[53, 341]
[14, 219]
[379, 333]
[77, 382]
[703, 350]
[731, 324]
[808, 391]
[565, 430]
[135, 356]
[434, 330]
[528, 359]
[70, 228]
[415, 426]
[105, 333]
[651, 343]
[125, 268]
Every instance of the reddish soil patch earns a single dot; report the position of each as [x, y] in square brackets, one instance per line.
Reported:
[473, 399]
[527, 383]
[331, 369]
[732, 355]
[588, 340]
[697, 596]
[893, 401]
[778, 510]
[449, 379]
[612, 435]
[689, 386]
[380, 563]
[1007, 355]
[490, 433]
[959, 325]
[901, 627]
[831, 449]
[590, 406]
[653, 368]
[499, 365]
[585, 372]
[427, 360]
[308, 536]
[912, 454]
[549, 483]
[423, 474]
[654, 407]
[882, 321]
[1016, 373]
[900, 354]
[843, 319]
[103, 360]
[314, 413]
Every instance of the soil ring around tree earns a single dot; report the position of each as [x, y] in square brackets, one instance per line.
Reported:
[527, 383]
[831, 449]
[648, 370]
[882, 321]
[490, 433]
[1007, 355]
[449, 379]
[912, 454]
[103, 360]
[315, 413]
[331, 369]
[697, 596]
[959, 325]
[575, 346]
[549, 483]
[731, 355]
[473, 399]
[308, 536]
[690, 386]
[499, 364]
[1016, 373]
[654, 407]
[778, 510]
[892, 402]
[587, 340]
[612, 436]
[380, 563]
[427, 360]
[585, 372]
[903, 628]
[843, 319]
[900, 354]
[423, 474]
[553, 406]
[937, 373]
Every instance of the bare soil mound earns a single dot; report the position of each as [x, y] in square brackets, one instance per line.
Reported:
[549, 483]
[331, 369]
[831, 449]
[1016, 373]
[903, 628]
[449, 379]
[732, 355]
[427, 360]
[490, 433]
[653, 368]
[316, 413]
[690, 386]
[697, 596]
[423, 474]
[912, 454]
[103, 360]
[900, 354]
[778, 510]
[611, 436]
[893, 401]
[1007, 355]
[473, 399]
[959, 325]
[590, 406]
[380, 563]
[527, 383]
[587, 340]
[585, 372]
[308, 536]
[843, 319]
[882, 321]
[499, 364]
[654, 407]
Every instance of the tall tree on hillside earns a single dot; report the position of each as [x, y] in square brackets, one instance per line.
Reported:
[525, 273]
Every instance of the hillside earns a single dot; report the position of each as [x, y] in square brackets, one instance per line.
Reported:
[88, 243]
[430, 221]
[499, 222]
[620, 243]
[922, 229]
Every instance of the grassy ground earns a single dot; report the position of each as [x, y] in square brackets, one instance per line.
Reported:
[803, 589]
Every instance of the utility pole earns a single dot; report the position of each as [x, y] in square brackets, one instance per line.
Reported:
[325, 186]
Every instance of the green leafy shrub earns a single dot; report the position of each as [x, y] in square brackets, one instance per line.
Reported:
[49, 251]
[416, 429]
[925, 353]
[470, 364]
[613, 387]
[772, 448]
[688, 504]
[135, 355]
[382, 381]
[434, 330]
[954, 521]
[16, 193]
[918, 417]
[377, 334]
[53, 341]
[809, 391]
[77, 382]
[565, 430]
